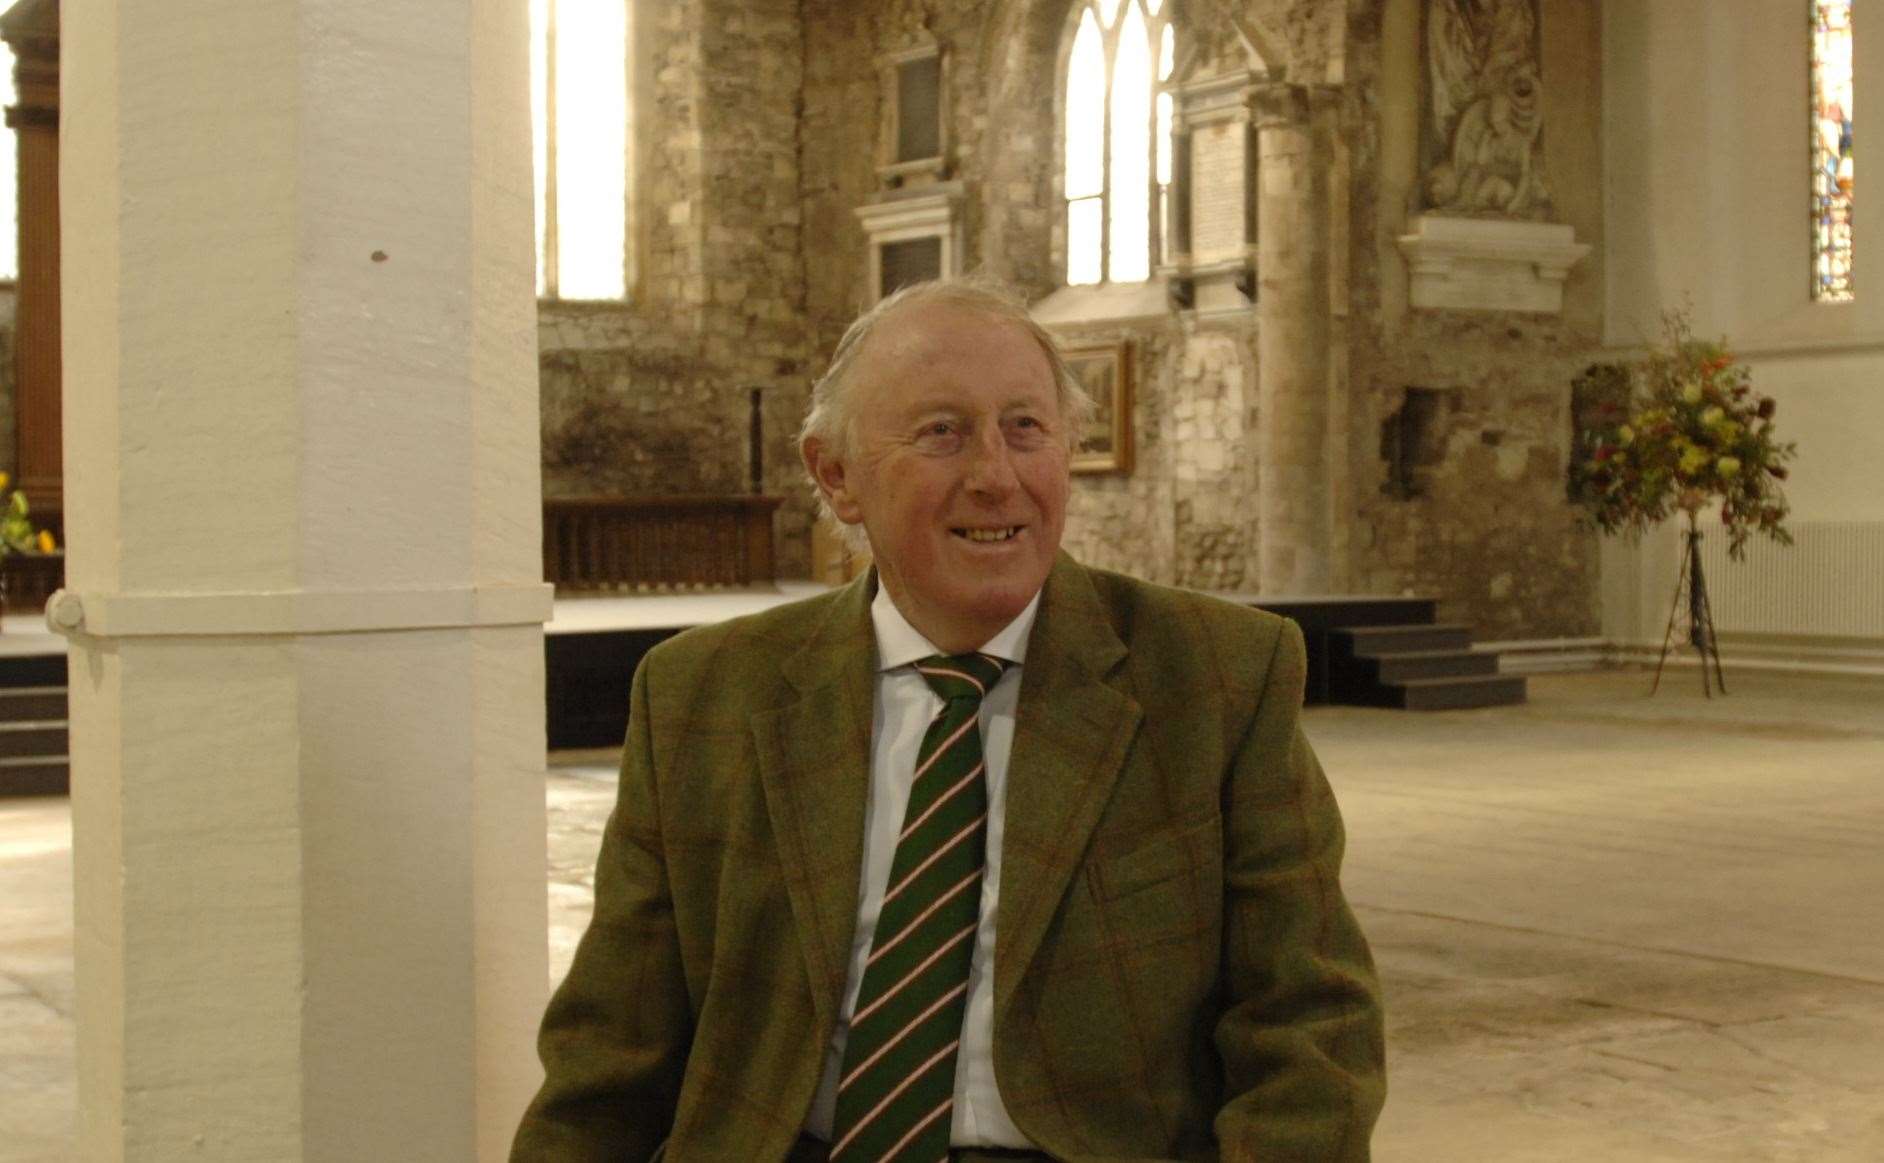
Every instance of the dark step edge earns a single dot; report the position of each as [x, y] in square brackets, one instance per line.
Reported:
[1480, 701]
[1458, 680]
[1439, 641]
[22, 691]
[1408, 628]
[21, 726]
[35, 775]
[1388, 670]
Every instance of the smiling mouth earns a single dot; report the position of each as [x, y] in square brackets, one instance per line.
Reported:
[988, 536]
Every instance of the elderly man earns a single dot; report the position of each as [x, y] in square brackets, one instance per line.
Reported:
[986, 855]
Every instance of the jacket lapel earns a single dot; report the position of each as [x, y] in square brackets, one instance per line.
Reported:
[814, 764]
[1071, 736]
[1072, 732]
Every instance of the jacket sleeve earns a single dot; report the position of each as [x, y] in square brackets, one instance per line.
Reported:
[615, 1037]
[1300, 1032]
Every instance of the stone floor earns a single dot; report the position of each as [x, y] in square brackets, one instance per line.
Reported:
[1609, 927]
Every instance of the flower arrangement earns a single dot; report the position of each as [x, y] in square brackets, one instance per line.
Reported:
[17, 534]
[1679, 430]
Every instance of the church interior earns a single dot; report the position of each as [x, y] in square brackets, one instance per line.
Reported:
[312, 692]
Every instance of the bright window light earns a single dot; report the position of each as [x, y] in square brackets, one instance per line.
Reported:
[580, 106]
[1117, 123]
[1129, 237]
[1832, 186]
[1086, 112]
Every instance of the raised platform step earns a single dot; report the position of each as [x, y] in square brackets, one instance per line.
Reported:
[35, 775]
[33, 737]
[1463, 692]
[1455, 693]
[1409, 665]
[1380, 640]
[32, 702]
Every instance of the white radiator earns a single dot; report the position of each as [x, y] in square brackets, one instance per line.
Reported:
[1829, 582]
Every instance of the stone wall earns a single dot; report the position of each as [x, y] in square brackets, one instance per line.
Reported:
[1486, 529]
[757, 123]
[1181, 515]
[1184, 515]
[653, 396]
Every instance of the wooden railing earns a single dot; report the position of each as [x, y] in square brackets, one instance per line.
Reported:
[615, 543]
[30, 578]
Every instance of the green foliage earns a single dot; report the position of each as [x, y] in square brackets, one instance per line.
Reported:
[1691, 432]
[17, 534]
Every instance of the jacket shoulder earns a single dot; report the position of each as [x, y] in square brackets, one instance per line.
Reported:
[740, 651]
[1186, 632]
[1147, 609]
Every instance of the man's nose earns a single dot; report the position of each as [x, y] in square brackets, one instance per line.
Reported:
[991, 466]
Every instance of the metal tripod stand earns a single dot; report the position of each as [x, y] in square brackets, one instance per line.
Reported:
[1691, 587]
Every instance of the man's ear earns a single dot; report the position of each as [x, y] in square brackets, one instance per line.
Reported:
[828, 469]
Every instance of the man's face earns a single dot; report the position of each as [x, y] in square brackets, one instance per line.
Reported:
[958, 471]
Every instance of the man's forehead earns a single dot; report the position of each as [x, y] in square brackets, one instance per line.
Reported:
[918, 328]
[916, 347]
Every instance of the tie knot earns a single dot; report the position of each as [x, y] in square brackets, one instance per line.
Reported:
[961, 676]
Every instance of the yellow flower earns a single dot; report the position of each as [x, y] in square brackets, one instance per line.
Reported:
[1728, 465]
[1694, 460]
[1625, 435]
[1713, 416]
[5, 480]
[1691, 391]
[46, 542]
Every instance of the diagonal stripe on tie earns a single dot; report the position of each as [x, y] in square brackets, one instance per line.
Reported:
[897, 1084]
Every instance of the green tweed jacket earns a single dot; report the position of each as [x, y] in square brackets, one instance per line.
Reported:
[1176, 973]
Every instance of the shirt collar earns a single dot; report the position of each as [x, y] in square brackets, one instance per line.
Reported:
[899, 643]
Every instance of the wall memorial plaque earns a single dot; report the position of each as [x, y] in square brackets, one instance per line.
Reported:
[1219, 167]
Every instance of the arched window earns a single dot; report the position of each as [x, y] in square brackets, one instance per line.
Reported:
[1831, 150]
[1117, 121]
[579, 110]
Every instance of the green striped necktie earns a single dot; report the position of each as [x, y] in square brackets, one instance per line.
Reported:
[897, 1088]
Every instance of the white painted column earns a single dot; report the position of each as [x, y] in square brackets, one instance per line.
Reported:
[303, 578]
[1295, 490]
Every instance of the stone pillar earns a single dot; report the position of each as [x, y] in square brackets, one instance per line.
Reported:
[1292, 347]
[304, 594]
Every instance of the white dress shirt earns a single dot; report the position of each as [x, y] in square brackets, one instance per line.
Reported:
[905, 706]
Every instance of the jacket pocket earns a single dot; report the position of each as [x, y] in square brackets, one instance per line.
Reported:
[1160, 890]
[1165, 856]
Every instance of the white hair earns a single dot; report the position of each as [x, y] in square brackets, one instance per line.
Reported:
[832, 417]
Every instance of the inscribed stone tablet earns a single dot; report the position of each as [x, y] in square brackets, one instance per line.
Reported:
[1218, 177]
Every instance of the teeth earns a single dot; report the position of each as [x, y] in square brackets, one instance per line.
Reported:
[991, 534]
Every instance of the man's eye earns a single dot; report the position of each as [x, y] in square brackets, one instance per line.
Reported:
[1027, 427]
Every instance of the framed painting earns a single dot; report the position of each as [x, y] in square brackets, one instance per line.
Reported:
[1105, 371]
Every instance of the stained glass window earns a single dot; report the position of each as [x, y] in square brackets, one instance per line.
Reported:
[1831, 150]
[579, 113]
[1118, 140]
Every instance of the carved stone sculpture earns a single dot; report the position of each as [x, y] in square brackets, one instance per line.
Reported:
[1484, 151]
